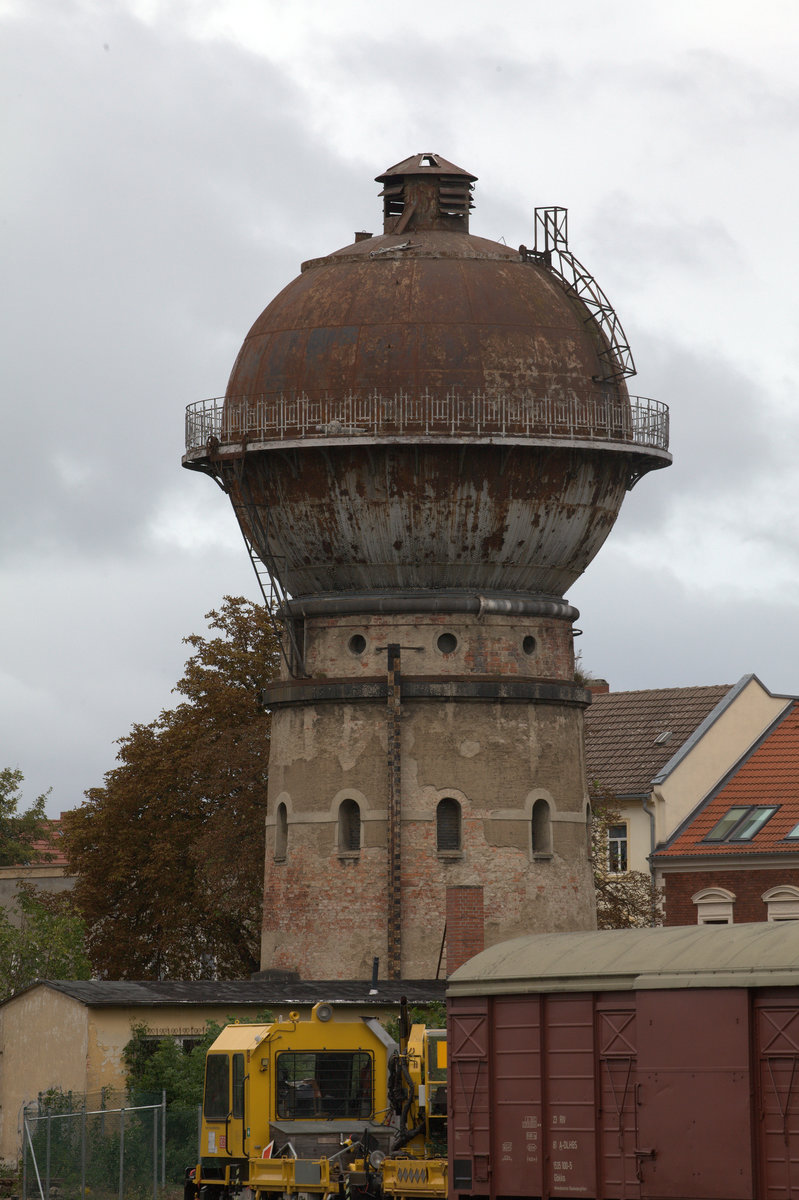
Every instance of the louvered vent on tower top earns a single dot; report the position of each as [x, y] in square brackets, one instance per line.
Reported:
[426, 192]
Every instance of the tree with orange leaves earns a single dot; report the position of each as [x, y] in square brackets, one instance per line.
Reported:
[169, 852]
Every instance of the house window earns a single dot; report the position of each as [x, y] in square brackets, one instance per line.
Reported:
[281, 833]
[741, 823]
[714, 906]
[349, 826]
[448, 826]
[541, 828]
[617, 848]
[782, 903]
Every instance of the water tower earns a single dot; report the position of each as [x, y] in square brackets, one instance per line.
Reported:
[426, 438]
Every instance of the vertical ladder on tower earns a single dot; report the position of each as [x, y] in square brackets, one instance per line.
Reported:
[552, 251]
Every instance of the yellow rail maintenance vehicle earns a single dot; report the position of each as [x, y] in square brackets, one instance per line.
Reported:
[416, 1165]
[287, 1106]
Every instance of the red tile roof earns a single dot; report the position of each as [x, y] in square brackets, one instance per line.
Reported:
[50, 844]
[622, 728]
[770, 775]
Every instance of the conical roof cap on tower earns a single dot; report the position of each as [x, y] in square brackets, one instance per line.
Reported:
[424, 164]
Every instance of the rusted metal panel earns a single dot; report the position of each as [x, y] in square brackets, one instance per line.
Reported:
[424, 319]
[356, 518]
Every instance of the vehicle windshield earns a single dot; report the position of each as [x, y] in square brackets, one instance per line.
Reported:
[324, 1084]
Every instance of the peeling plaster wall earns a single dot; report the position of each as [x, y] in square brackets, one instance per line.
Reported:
[44, 1041]
[325, 908]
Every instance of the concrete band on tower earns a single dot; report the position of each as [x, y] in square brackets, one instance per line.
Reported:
[426, 438]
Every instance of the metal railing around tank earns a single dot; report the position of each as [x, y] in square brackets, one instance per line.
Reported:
[283, 417]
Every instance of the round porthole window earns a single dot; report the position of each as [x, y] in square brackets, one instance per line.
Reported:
[357, 644]
[447, 643]
[528, 645]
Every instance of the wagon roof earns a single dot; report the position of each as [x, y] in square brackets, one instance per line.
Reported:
[752, 955]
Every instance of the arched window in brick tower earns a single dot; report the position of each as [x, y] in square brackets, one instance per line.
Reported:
[349, 826]
[448, 825]
[281, 833]
[541, 828]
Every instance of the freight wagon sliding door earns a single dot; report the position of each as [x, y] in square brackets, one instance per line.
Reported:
[777, 1047]
[516, 1091]
[617, 1049]
[694, 1094]
[569, 1095]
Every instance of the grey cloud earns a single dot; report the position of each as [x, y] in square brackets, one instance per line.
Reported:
[158, 221]
[643, 629]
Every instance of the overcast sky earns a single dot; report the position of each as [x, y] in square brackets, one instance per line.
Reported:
[168, 164]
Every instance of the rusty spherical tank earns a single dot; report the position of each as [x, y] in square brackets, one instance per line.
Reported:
[449, 311]
[426, 408]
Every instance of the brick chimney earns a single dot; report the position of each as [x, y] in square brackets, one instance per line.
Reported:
[465, 925]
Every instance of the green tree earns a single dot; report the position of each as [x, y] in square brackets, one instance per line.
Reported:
[48, 942]
[162, 1065]
[153, 1066]
[624, 900]
[168, 853]
[20, 831]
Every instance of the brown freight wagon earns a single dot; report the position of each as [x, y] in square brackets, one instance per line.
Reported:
[653, 1063]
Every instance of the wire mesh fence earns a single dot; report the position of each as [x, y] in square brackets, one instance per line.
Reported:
[106, 1146]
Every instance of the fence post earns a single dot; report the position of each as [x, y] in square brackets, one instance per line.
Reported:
[121, 1154]
[155, 1153]
[47, 1161]
[25, 1154]
[83, 1152]
[26, 1128]
[163, 1138]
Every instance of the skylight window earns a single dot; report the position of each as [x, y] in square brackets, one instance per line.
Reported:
[793, 835]
[741, 823]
